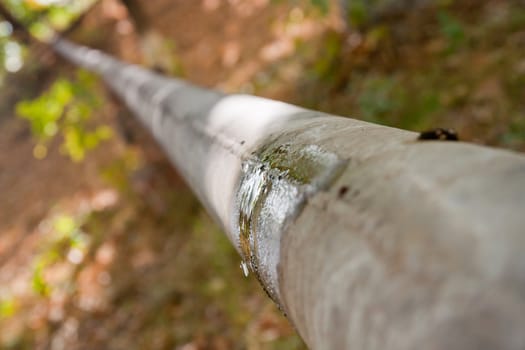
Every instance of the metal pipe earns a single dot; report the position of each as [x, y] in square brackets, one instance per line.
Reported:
[364, 235]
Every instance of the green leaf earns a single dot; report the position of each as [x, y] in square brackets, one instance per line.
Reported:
[322, 5]
[66, 108]
[357, 12]
[7, 307]
[64, 225]
[452, 29]
[38, 282]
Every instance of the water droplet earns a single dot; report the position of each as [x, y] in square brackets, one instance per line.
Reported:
[244, 268]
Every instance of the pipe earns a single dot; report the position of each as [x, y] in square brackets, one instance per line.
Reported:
[365, 236]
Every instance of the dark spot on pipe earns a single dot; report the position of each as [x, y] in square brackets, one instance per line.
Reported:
[159, 70]
[143, 89]
[243, 142]
[342, 191]
[439, 134]
[165, 109]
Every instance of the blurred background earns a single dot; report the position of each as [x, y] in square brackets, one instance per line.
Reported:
[102, 245]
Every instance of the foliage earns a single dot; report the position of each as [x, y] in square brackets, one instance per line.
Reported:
[325, 66]
[380, 96]
[515, 134]
[323, 6]
[66, 109]
[358, 12]
[452, 29]
[11, 52]
[388, 100]
[8, 306]
[65, 240]
[12, 55]
[43, 18]
[463, 69]
[38, 282]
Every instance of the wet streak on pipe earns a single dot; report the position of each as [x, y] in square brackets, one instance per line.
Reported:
[365, 236]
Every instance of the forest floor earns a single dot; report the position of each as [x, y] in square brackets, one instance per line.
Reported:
[115, 252]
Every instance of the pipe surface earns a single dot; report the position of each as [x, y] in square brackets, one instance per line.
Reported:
[365, 236]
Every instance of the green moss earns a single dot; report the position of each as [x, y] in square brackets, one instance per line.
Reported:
[297, 164]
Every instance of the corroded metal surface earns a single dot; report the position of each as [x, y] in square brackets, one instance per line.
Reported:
[368, 237]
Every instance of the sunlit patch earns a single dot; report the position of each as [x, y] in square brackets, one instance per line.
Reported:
[56, 312]
[247, 8]
[5, 29]
[40, 151]
[105, 253]
[91, 293]
[114, 10]
[211, 5]
[44, 3]
[104, 199]
[13, 60]
[75, 256]
[296, 14]
[124, 27]
[231, 53]
[189, 346]
[65, 333]
[19, 285]
[277, 49]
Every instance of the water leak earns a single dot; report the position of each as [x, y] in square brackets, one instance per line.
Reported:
[253, 190]
[244, 268]
[275, 183]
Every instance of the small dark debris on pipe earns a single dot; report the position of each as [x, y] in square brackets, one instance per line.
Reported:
[439, 134]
